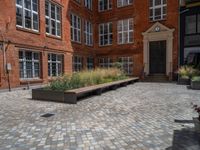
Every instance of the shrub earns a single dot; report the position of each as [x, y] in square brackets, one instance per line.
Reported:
[196, 78]
[86, 78]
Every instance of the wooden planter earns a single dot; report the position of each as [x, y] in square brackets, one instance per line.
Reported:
[195, 85]
[72, 96]
[196, 124]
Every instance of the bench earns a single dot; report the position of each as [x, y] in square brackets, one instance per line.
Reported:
[71, 96]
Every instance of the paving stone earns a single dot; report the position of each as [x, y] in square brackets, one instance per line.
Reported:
[137, 117]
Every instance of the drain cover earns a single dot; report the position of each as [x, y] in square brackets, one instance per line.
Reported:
[47, 115]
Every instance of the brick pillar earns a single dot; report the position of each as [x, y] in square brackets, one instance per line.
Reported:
[67, 63]
[44, 66]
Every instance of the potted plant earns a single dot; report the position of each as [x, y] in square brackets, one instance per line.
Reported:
[197, 119]
[195, 82]
[185, 73]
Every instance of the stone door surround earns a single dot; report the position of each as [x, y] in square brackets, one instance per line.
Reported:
[158, 32]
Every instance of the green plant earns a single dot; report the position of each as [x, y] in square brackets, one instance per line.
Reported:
[187, 72]
[196, 78]
[86, 78]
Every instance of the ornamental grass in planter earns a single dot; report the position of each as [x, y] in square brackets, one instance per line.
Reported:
[86, 78]
[185, 73]
[195, 83]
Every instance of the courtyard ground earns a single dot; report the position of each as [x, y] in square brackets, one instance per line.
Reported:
[142, 116]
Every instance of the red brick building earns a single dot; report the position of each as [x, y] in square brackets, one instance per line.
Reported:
[40, 39]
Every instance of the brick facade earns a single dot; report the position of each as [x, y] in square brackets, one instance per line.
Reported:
[16, 38]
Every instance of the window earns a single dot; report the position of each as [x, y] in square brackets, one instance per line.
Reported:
[29, 63]
[105, 34]
[88, 33]
[158, 9]
[27, 14]
[127, 65]
[55, 65]
[88, 4]
[125, 31]
[198, 23]
[53, 19]
[192, 24]
[121, 3]
[75, 28]
[77, 63]
[105, 62]
[90, 63]
[105, 5]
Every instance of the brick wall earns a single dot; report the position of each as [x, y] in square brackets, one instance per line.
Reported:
[20, 38]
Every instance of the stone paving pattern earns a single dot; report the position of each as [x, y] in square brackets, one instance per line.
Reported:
[137, 117]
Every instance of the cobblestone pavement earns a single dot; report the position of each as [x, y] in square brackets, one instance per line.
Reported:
[142, 116]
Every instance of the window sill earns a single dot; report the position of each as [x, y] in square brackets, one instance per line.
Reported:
[54, 37]
[104, 11]
[101, 46]
[27, 30]
[74, 42]
[89, 45]
[121, 7]
[125, 43]
[152, 21]
[30, 81]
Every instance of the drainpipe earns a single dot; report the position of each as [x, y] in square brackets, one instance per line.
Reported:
[3, 49]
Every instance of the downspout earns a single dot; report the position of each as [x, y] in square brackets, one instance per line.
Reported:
[3, 49]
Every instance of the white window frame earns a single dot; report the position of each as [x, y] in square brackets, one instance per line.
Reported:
[109, 5]
[88, 4]
[75, 29]
[57, 62]
[33, 61]
[23, 15]
[124, 3]
[90, 63]
[126, 61]
[154, 7]
[78, 63]
[50, 19]
[88, 33]
[124, 30]
[105, 33]
[105, 62]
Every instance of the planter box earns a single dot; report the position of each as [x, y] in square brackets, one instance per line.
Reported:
[71, 96]
[183, 81]
[196, 124]
[195, 85]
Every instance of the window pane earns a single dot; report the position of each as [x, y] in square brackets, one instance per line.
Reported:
[198, 23]
[19, 2]
[27, 19]
[190, 24]
[27, 4]
[35, 22]
[19, 16]
[53, 11]
[35, 6]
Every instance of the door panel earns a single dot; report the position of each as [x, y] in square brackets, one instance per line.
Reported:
[157, 54]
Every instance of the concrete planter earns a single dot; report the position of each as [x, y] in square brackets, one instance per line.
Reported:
[196, 124]
[183, 81]
[195, 85]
